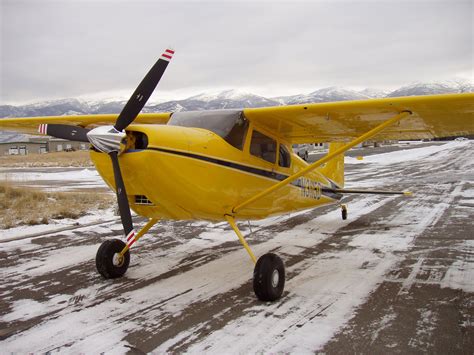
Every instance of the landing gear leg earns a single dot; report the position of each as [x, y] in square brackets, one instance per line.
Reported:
[344, 211]
[113, 257]
[269, 272]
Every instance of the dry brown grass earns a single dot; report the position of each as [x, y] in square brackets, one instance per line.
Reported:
[29, 206]
[78, 158]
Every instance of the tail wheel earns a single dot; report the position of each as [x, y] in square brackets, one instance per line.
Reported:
[108, 261]
[344, 212]
[269, 277]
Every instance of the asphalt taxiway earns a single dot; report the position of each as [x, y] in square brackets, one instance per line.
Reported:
[396, 277]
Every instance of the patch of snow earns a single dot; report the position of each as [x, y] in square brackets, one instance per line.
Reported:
[63, 179]
[323, 287]
[72, 175]
[426, 153]
[85, 337]
[57, 224]
[24, 309]
[460, 274]
[54, 261]
[26, 230]
[424, 328]
[382, 324]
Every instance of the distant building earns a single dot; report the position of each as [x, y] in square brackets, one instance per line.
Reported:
[39, 145]
[59, 145]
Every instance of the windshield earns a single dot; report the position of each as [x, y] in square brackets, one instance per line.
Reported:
[220, 122]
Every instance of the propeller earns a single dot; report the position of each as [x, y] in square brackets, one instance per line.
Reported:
[108, 139]
[122, 199]
[143, 92]
[71, 133]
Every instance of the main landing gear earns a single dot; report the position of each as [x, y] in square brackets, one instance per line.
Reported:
[269, 271]
[113, 257]
[269, 277]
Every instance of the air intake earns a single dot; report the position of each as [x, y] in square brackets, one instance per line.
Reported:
[143, 200]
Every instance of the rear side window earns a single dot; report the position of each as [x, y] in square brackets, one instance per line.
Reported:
[263, 147]
[284, 161]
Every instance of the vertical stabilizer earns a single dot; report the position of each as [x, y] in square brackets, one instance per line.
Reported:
[334, 169]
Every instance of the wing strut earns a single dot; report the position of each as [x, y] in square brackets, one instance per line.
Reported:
[323, 160]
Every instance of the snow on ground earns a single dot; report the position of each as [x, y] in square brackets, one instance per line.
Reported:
[189, 289]
[320, 284]
[57, 225]
[460, 274]
[53, 178]
[431, 153]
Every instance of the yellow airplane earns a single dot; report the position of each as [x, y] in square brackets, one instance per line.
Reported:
[229, 165]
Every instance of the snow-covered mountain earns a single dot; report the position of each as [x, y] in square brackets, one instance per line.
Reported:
[231, 94]
[6, 137]
[424, 89]
[61, 107]
[329, 94]
[224, 99]
[374, 93]
[205, 101]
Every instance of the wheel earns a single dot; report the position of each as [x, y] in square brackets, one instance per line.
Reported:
[107, 259]
[344, 213]
[269, 277]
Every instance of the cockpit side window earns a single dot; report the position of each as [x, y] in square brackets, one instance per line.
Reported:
[285, 157]
[236, 136]
[263, 147]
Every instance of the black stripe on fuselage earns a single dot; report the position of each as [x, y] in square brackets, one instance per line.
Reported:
[326, 191]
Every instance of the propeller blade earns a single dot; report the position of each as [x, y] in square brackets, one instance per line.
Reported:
[71, 133]
[143, 92]
[122, 200]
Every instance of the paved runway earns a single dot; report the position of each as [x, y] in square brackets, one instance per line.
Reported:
[396, 277]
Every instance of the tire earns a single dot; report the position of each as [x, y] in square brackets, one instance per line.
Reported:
[269, 277]
[106, 259]
[344, 214]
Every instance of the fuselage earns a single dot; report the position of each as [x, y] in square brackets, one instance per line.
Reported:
[175, 172]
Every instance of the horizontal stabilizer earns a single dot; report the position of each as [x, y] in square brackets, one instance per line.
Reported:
[373, 192]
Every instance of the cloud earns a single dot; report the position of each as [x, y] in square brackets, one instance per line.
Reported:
[64, 49]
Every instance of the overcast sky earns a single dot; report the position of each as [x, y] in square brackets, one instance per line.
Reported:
[61, 49]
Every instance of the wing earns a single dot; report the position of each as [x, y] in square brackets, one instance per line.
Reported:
[31, 124]
[432, 116]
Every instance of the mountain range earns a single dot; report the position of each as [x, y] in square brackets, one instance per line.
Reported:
[228, 99]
